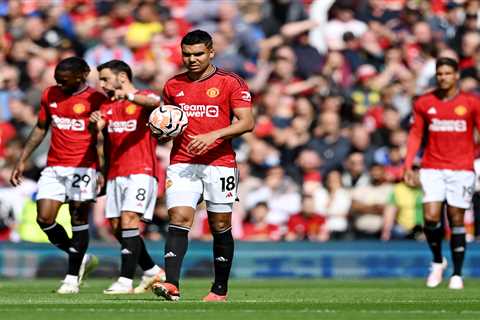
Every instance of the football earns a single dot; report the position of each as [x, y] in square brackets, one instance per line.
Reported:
[167, 121]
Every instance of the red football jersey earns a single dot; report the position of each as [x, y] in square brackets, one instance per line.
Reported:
[72, 144]
[305, 226]
[130, 147]
[450, 126]
[209, 106]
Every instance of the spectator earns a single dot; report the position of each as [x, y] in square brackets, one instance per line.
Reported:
[256, 227]
[334, 201]
[403, 214]
[368, 204]
[308, 224]
[328, 142]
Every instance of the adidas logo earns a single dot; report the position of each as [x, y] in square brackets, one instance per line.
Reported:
[170, 254]
[126, 251]
[221, 259]
[53, 105]
[180, 94]
[109, 112]
[459, 249]
[229, 195]
[432, 110]
[72, 250]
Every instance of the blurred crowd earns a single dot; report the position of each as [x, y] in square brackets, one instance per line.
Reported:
[332, 85]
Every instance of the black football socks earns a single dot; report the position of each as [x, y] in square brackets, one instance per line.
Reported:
[80, 239]
[175, 249]
[130, 252]
[434, 234]
[458, 247]
[223, 247]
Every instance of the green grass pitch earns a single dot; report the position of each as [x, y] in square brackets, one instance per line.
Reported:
[249, 299]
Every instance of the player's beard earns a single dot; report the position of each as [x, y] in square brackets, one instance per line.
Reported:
[111, 92]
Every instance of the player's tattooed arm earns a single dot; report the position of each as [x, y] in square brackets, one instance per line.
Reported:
[34, 139]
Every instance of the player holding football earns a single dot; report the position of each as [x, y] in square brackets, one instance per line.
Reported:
[202, 160]
[131, 165]
[446, 173]
[71, 172]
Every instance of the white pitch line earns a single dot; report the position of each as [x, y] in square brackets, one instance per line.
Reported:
[317, 311]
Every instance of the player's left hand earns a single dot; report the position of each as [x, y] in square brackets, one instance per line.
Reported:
[200, 143]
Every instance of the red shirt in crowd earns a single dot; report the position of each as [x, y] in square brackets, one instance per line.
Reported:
[305, 226]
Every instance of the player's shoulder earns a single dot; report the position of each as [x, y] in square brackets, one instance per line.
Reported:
[425, 97]
[94, 93]
[52, 91]
[473, 98]
[178, 78]
[231, 77]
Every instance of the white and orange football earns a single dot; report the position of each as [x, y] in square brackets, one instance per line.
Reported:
[167, 121]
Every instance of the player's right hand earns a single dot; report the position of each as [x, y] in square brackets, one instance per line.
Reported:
[17, 174]
[411, 178]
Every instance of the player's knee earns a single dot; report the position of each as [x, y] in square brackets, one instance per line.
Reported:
[219, 226]
[431, 217]
[78, 220]
[44, 221]
[180, 220]
[129, 220]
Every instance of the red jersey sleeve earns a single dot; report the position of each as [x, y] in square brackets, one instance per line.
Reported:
[167, 99]
[476, 104]
[415, 135]
[240, 96]
[43, 114]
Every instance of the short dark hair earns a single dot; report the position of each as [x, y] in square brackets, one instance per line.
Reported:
[73, 64]
[444, 61]
[197, 37]
[117, 66]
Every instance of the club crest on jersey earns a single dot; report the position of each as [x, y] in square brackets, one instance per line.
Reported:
[213, 92]
[168, 183]
[79, 108]
[130, 109]
[460, 110]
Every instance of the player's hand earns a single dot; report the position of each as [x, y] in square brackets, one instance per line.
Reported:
[17, 174]
[101, 185]
[119, 94]
[411, 178]
[96, 119]
[200, 143]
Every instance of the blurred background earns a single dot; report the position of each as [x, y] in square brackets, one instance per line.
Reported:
[332, 85]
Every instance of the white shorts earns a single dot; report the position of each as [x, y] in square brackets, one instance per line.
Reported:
[455, 186]
[187, 183]
[66, 184]
[136, 193]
